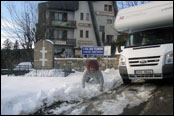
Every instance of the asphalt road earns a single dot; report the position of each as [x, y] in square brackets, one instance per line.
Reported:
[161, 103]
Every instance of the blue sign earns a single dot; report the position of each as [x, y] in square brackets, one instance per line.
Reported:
[92, 50]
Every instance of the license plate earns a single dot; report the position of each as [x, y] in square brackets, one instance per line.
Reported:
[143, 72]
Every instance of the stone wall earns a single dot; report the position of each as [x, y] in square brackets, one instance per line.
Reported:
[44, 59]
[79, 64]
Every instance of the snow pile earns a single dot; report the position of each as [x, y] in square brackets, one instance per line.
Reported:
[24, 95]
[125, 99]
[112, 79]
[78, 111]
[63, 107]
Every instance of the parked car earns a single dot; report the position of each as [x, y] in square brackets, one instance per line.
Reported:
[23, 66]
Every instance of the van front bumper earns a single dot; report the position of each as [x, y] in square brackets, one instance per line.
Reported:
[167, 72]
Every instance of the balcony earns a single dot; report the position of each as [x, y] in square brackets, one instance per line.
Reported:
[71, 42]
[65, 24]
[66, 42]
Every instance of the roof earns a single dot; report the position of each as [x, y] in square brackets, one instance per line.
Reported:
[63, 5]
[156, 14]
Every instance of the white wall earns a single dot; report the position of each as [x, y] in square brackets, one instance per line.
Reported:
[102, 19]
[83, 8]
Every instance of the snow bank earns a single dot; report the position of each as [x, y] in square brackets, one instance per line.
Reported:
[24, 95]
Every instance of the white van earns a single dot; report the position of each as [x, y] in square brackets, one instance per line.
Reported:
[148, 53]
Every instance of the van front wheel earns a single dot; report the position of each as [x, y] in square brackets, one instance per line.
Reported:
[126, 81]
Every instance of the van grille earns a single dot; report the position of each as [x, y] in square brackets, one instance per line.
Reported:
[144, 61]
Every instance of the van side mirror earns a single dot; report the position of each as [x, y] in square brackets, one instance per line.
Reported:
[120, 48]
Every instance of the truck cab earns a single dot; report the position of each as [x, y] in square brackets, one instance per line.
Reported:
[148, 52]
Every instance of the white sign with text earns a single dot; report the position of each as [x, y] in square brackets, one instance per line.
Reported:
[107, 50]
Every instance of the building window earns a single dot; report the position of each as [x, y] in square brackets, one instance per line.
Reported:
[87, 16]
[81, 33]
[55, 34]
[60, 34]
[64, 35]
[103, 37]
[107, 7]
[110, 8]
[60, 16]
[87, 34]
[81, 16]
[109, 21]
[65, 17]
[109, 39]
[102, 28]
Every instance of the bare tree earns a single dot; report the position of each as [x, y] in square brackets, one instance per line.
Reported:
[7, 44]
[16, 45]
[7, 54]
[126, 4]
[22, 24]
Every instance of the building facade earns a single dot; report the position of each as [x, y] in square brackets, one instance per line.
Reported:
[73, 24]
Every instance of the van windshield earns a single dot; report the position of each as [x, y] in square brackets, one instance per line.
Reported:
[150, 37]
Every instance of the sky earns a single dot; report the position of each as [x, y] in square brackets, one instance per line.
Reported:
[3, 10]
[5, 14]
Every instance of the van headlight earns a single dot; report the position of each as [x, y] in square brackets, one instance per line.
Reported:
[169, 58]
[122, 61]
